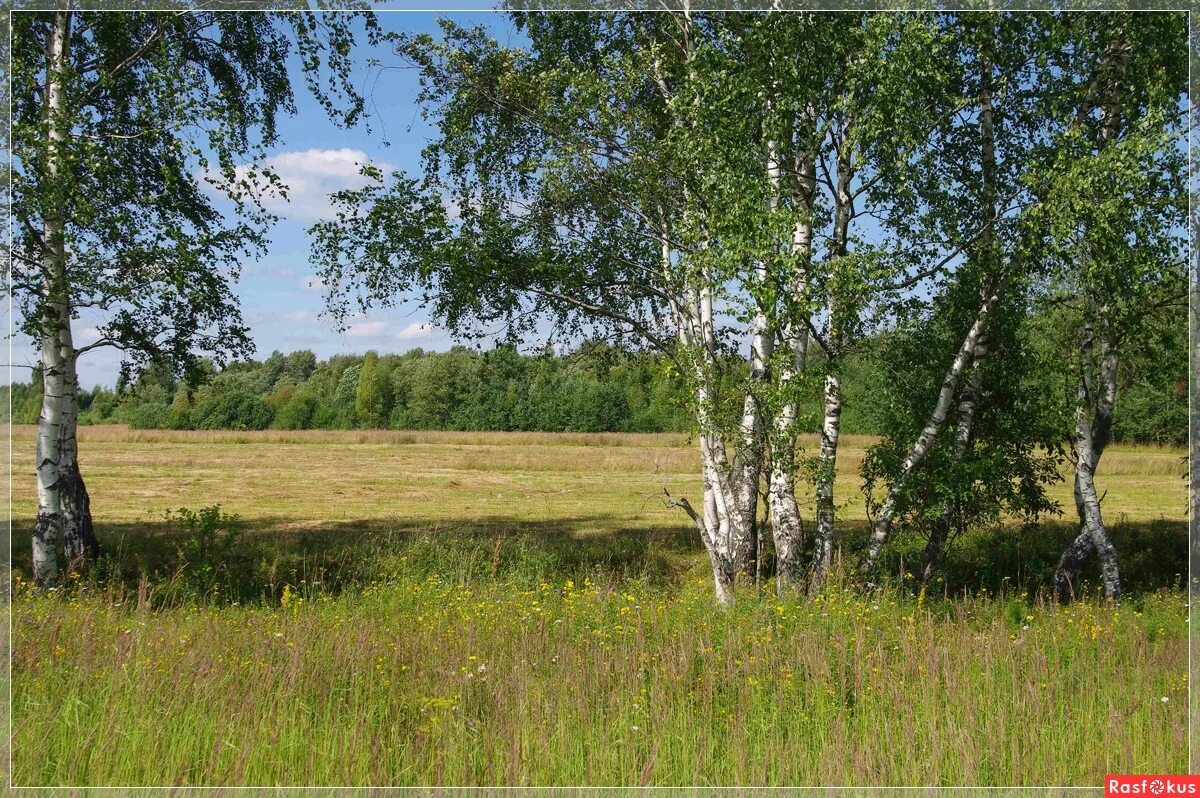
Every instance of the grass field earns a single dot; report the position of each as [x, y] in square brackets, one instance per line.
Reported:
[476, 608]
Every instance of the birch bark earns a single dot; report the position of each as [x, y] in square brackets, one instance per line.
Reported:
[79, 539]
[1093, 429]
[832, 395]
[786, 527]
[935, 549]
[882, 527]
[726, 523]
[55, 331]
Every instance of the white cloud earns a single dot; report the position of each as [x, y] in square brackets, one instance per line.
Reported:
[312, 283]
[417, 329]
[311, 176]
[366, 329]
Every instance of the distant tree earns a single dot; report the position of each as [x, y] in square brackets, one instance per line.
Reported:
[298, 411]
[373, 399]
[238, 410]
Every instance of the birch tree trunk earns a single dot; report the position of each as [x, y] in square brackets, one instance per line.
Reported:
[728, 508]
[749, 456]
[1093, 430]
[826, 474]
[730, 493]
[832, 415]
[935, 549]
[1092, 435]
[79, 539]
[933, 427]
[55, 332]
[47, 528]
[786, 526]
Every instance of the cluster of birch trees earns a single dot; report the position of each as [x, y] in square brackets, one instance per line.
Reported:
[747, 186]
[737, 190]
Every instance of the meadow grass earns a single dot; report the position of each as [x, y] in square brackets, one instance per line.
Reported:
[456, 609]
[427, 682]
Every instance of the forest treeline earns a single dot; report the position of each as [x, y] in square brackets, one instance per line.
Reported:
[597, 387]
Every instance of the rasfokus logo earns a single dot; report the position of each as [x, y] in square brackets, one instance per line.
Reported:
[1163, 785]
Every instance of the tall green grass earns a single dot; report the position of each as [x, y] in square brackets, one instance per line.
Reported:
[420, 679]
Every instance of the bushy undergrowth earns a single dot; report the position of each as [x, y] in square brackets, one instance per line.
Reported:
[208, 557]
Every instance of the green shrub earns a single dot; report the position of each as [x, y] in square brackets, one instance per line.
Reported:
[1147, 413]
[297, 412]
[210, 538]
[236, 410]
[152, 415]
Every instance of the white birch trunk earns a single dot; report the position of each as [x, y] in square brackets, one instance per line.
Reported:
[730, 490]
[55, 332]
[1093, 429]
[723, 523]
[883, 519]
[832, 415]
[47, 528]
[1092, 518]
[786, 526]
[1101, 398]
[826, 473]
[79, 539]
[935, 549]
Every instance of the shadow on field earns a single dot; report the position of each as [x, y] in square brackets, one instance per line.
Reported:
[258, 560]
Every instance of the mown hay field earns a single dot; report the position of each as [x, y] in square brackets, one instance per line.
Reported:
[522, 609]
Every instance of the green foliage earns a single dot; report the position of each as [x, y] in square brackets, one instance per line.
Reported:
[373, 395]
[148, 415]
[298, 411]
[152, 165]
[238, 409]
[594, 389]
[209, 542]
[1149, 413]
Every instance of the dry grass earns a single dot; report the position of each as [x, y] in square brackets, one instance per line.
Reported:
[313, 477]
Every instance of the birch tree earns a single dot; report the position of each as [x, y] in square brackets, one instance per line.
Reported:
[1120, 218]
[610, 180]
[982, 195]
[118, 119]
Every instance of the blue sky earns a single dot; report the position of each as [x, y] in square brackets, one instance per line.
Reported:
[281, 300]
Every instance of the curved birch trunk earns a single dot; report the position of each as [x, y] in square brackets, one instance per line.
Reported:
[882, 528]
[935, 549]
[1093, 519]
[1092, 435]
[1093, 430]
